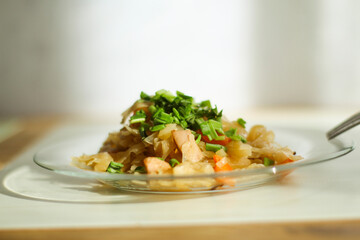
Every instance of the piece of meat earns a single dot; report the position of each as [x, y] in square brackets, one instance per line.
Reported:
[185, 141]
[155, 165]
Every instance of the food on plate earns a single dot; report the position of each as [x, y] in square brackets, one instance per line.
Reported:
[172, 134]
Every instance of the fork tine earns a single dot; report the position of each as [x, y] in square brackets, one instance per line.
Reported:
[349, 123]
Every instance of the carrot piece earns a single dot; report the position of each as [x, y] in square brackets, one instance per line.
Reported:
[287, 161]
[217, 158]
[224, 167]
[221, 142]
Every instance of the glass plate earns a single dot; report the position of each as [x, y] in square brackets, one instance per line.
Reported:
[311, 144]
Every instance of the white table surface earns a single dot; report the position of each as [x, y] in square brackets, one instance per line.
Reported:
[31, 197]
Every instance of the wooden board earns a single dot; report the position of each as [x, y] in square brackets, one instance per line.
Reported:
[345, 230]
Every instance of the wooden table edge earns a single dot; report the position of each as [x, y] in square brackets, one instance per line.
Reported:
[339, 229]
[32, 129]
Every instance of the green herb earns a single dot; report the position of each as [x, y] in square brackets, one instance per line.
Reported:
[198, 138]
[173, 162]
[157, 128]
[241, 122]
[152, 109]
[138, 117]
[268, 162]
[140, 169]
[163, 118]
[181, 95]
[234, 136]
[115, 167]
[211, 128]
[166, 108]
[111, 170]
[214, 147]
[161, 159]
[184, 124]
[176, 113]
[206, 104]
[143, 128]
[165, 95]
[144, 96]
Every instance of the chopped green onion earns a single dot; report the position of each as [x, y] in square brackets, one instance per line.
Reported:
[238, 138]
[142, 129]
[268, 162]
[176, 120]
[206, 130]
[137, 120]
[157, 113]
[205, 104]
[183, 124]
[115, 167]
[140, 169]
[144, 96]
[165, 94]
[214, 147]
[138, 117]
[152, 109]
[157, 127]
[217, 126]
[232, 135]
[199, 121]
[198, 138]
[181, 95]
[176, 113]
[112, 170]
[210, 129]
[173, 162]
[241, 122]
[167, 108]
[161, 159]
[164, 118]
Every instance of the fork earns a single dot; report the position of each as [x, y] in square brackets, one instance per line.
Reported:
[349, 123]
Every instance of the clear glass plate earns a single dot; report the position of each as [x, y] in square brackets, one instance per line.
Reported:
[309, 143]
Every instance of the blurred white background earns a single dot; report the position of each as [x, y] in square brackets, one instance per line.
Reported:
[88, 56]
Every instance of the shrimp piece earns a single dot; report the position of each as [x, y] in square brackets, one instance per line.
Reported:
[185, 141]
[155, 165]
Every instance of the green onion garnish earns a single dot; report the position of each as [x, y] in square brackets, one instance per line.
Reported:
[211, 128]
[165, 108]
[144, 96]
[181, 95]
[233, 136]
[157, 127]
[173, 162]
[138, 117]
[115, 167]
[140, 169]
[214, 147]
[241, 122]
[183, 124]
[198, 139]
[152, 109]
[163, 118]
[111, 170]
[176, 113]
[142, 129]
[205, 104]
[268, 162]
[166, 95]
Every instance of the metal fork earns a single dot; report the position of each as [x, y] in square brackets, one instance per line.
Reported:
[351, 122]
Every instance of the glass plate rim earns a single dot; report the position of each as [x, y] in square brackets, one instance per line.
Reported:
[345, 149]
